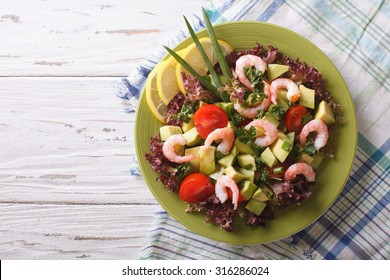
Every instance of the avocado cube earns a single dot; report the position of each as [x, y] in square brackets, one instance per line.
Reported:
[179, 149]
[276, 70]
[291, 136]
[260, 195]
[281, 147]
[248, 174]
[268, 191]
[192, 137]
[271, 118]
[268, 157]
[187, 126]
[168, 130]
[306, 158]
[227, 160]
[195, 162]
[246, 161]
[280, 153]
[218, 172]
[282, 94]
[281, 104]
[255, 206]
[259, 131]
[317, 160]
[234, 174]
[226, 106]
[243, 148]
[247, 188]
[207, 160]
[325, 113]
[307, 97]
[234, 151]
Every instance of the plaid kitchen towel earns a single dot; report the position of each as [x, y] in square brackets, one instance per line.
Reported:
[355, 36]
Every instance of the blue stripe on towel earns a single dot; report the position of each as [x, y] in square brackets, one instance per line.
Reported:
[272, 8]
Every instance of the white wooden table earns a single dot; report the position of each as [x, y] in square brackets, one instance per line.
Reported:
[65, 142]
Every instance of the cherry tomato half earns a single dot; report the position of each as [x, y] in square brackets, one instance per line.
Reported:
[208, 118]
[196, 187]
[230, 195]
[294, 117]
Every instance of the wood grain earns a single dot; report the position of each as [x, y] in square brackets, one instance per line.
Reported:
[66, 144]
[31, 231]
[85, 38]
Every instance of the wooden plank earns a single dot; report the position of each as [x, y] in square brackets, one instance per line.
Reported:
[85, 38]
[31, 231]
[66, 140]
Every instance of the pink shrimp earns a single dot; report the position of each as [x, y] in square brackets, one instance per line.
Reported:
[169, 149]
[246, 61]
[300, 168]
[227, 136]
[318, 126]
[293, 93]
[224, 182]
[270, 135]
[251, 112]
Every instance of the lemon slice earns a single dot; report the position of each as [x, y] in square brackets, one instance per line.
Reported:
[194, 58]
[155, 104]
[166, 78]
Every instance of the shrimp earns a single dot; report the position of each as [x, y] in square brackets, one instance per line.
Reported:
[251, 112]
[318, 126]
[224, 182]
[169, 149]
[270, 135]
[227, 136]
[300, 168]
[293, 93]
[245, 61]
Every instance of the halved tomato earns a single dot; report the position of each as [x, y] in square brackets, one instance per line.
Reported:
[208, 118]
[196, 187]
[294, 118]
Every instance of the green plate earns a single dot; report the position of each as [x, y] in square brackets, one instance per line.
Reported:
[330, 178]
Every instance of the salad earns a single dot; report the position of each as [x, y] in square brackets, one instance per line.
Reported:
[245, 131]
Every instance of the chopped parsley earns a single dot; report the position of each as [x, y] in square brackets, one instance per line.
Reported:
[254, 75]
[186, 111]
[264, 175]
[256, 96]
[278, 111]
[246, 135]
[260, 114]
[236, 118]
[309, 148]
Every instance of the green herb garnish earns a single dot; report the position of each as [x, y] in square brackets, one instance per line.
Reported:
[205, 58]
[278, 111]
[205, 82]
[246, 135]
[185, 113]
[260, 114]
[254, 75]
[236, 118]
[309, 148]
[218, 52]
